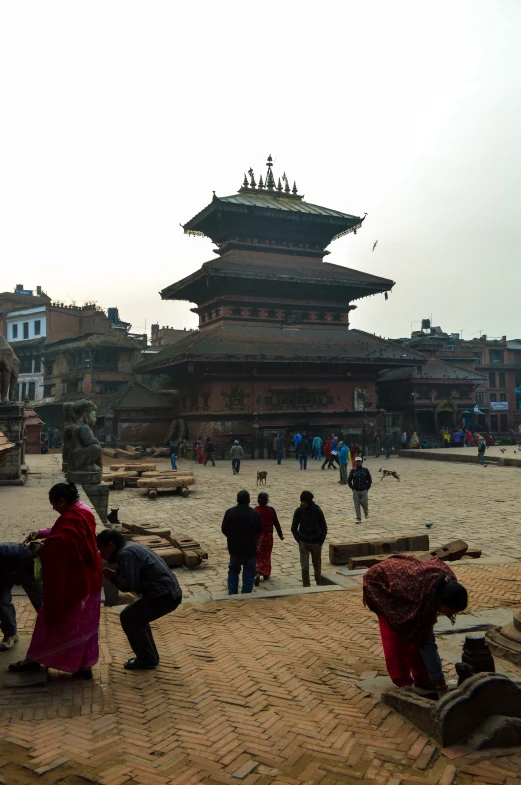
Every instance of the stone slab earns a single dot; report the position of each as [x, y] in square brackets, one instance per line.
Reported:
[13, 680]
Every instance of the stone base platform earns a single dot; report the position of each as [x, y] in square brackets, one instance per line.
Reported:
[484, 712]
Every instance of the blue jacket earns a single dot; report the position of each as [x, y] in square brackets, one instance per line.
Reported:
[296, 439]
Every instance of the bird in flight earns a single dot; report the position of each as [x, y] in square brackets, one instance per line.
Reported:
[374, 246]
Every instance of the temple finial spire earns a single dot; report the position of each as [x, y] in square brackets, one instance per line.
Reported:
[294, 190]
[270, 181]
[286, 183]
[252, 178]
[245, 181]
[279, 186]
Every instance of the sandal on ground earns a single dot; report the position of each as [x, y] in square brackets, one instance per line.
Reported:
[138, 665]
[23, 667]
[83, 673]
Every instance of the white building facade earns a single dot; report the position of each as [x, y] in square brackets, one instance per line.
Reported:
[27, 329]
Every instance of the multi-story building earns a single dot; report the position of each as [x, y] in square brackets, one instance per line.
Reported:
[497, 360]
[166, 336]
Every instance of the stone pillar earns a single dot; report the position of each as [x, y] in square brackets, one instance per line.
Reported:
[12, 425]
[99, 498]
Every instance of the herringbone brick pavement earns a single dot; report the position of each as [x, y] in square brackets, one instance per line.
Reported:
[261, 691]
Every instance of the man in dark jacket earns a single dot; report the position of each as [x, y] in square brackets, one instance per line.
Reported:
[140, 570]
[309, 528]
[303, 450]
[16, 569]
[360, 481]
[242, 527]
[209, 450]
[387, 446]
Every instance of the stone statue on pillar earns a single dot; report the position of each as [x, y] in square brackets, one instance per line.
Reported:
[9, 366]
[82, 451]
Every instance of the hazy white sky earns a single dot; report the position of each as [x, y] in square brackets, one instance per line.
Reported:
[118, 119]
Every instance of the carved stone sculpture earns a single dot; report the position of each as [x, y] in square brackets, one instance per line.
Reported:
[69, 416]
[83, 450]
[9, 366]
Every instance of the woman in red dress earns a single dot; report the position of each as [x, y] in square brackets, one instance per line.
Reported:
[265, 542]
[354, 450]
[199, 458]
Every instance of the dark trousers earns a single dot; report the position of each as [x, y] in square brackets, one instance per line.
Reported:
[34, 591]
[387, 451]
[303, 460]
[330, 460]
[209, 457]
[248, 574]
[279, 457]
[313, 549]
[236, 465]
[135, 620]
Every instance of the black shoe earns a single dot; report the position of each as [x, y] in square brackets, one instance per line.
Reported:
[24, 667]
[84, 673]
[139, 665]
[257, 579]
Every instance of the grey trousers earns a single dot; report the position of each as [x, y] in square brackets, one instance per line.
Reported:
[360, 498]
[34, 591]
[315, 550]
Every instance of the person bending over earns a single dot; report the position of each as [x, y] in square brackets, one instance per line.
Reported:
[139, 569]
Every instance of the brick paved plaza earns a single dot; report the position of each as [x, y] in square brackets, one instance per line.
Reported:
[260, 691]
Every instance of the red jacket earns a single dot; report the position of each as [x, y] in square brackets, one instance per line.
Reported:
[327, 447]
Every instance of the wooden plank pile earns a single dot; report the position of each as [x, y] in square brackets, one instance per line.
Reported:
[129, 453]
[164, 481]
[126, 475]
[366, 553]
[174, 549]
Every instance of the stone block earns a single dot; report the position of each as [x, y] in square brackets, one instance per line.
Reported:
[453, 551]
[457, 716]
[173, 557]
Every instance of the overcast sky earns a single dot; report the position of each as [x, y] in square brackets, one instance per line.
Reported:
[118, 119]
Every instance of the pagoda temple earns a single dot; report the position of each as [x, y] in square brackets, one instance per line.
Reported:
[274, 351]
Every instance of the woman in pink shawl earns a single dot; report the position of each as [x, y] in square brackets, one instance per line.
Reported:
[66, 633]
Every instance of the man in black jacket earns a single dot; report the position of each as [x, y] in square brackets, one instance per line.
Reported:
[16, 569]
[309, 528]
[360, 481]
[139, 569]
[209, 450]
[242, 527]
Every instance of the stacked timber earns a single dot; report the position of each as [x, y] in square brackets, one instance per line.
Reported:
[174, 549]
[162, 481]
[126, 475]
[369, 552]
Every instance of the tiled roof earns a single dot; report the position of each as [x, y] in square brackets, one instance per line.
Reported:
[279, 269]
[238, 342]
[432, 370]
[284, 203]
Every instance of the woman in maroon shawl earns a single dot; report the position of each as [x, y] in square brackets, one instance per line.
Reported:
[66, 633]
[265, 541]
[407, 595]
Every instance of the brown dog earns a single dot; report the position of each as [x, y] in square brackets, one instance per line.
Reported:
[261, 477]
[387, 473]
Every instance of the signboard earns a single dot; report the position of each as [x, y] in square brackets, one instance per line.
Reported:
[499, 406]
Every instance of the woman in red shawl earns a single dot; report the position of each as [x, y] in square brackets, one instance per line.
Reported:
[354, 450]
[66, 633]
[199, 452]
[407, 595]
[265, 541]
